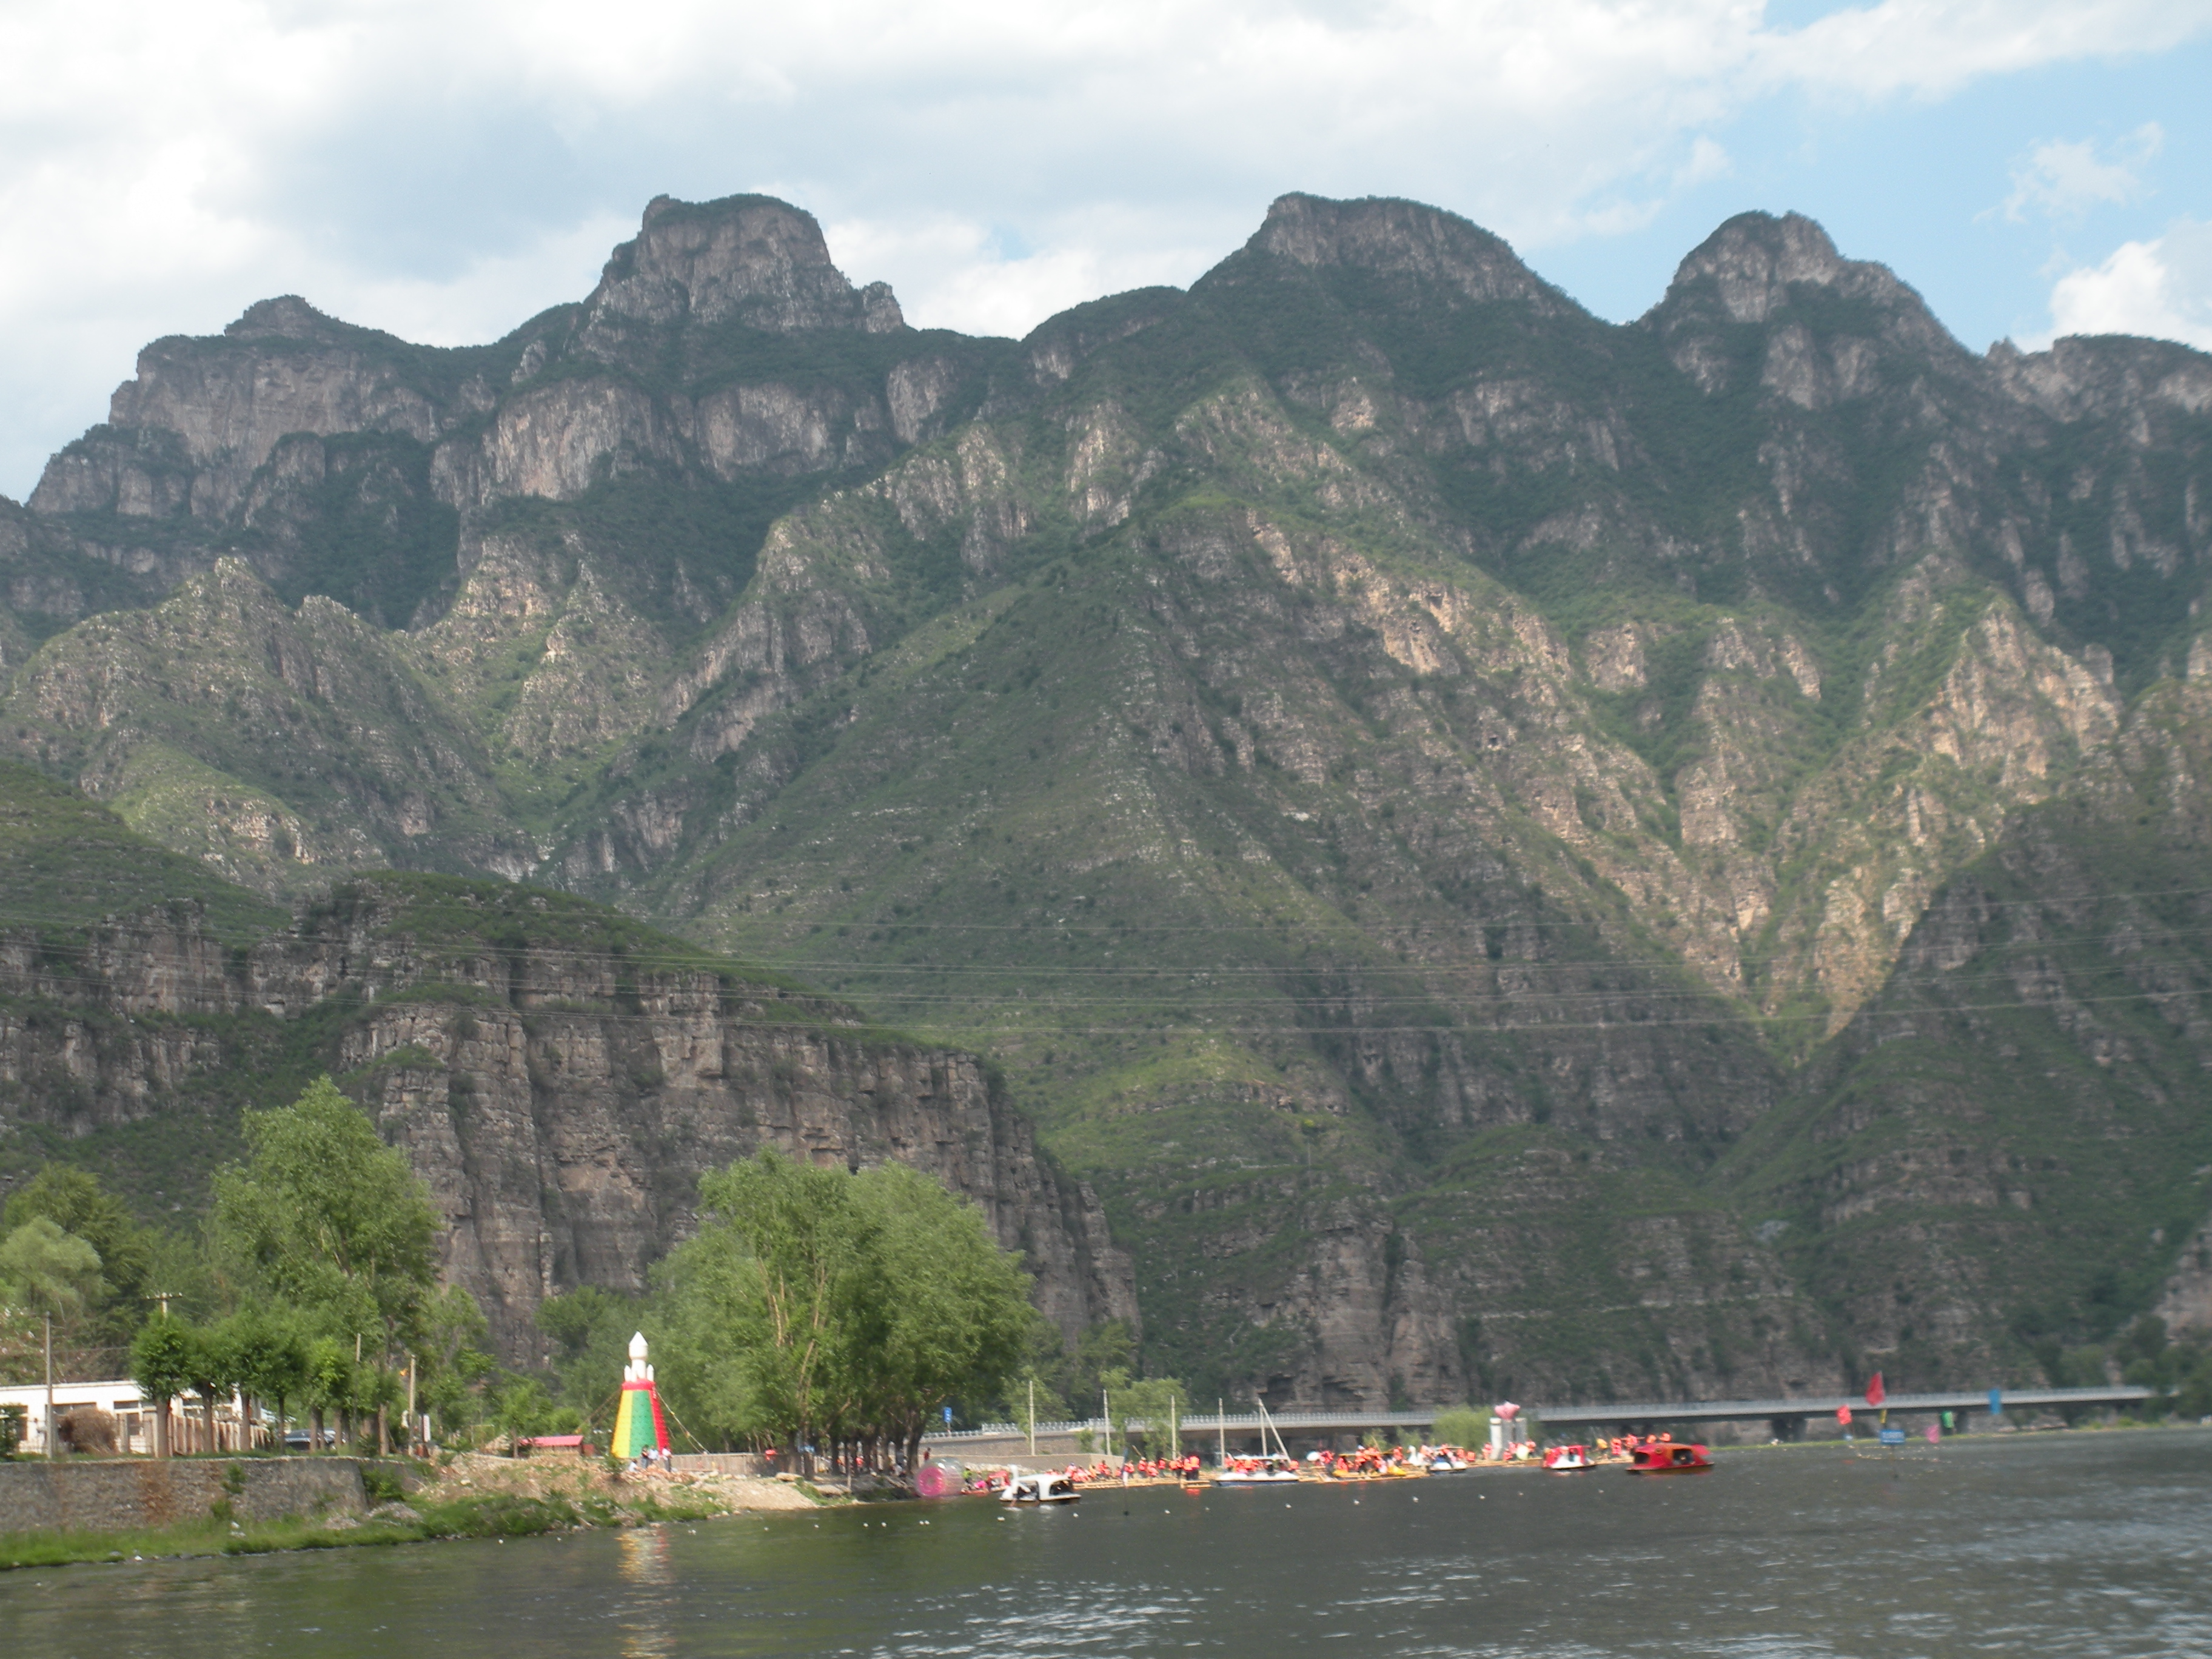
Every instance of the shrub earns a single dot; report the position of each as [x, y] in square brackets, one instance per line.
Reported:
[88, 1429]
[1461, 1425]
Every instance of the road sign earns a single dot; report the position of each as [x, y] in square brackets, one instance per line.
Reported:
[1997, 1402]
[1892, 1436]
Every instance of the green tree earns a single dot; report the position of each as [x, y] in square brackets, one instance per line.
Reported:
[820, 1308]
[590, 1328]
[268, 1359]
[54, 1273]
[1032, 1390]
[522, 1408]
[778, 1299]
[1462, 1426]
[452, 1365]
[1157, 1401]
[212, 1363]
[330, 1388]
[75, 1201]
[333, 1220]
[1103, 1348]
[956, 1310]
[161, 1363]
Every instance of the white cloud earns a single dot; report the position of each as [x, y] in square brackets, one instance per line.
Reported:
[445, 167]
[2064, 181]
[955, 273]
[1930, 48]
[2161, 288]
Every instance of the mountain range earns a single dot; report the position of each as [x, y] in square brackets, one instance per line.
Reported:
[1497, 851]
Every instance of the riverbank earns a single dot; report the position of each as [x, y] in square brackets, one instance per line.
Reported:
[466, 1496]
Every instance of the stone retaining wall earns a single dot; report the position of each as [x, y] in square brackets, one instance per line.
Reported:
[749, 1464]
[116, 1494]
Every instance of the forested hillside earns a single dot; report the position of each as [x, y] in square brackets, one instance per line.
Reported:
[1511, 852]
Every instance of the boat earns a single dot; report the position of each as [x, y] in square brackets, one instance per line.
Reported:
[1666, 1458]
[1448, 1463]
[1258, 1472]
[1369, 1465]
[1276, 1468]
[1568, 1460]
[1050, 1487]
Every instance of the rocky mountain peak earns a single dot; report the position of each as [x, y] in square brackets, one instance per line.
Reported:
[751, 258]
[1763, 270]
[1753, 260]
[287, 317]
[2083, 377]
[1398, 239]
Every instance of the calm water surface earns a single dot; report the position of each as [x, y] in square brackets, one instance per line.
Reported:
[2079, 1545]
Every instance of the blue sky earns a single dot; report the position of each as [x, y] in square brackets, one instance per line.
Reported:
[444, 168]
[1983, 200]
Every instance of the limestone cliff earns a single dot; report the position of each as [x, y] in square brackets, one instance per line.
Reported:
[559, 1096]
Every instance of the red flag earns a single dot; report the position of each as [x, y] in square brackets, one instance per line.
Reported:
[1875, 1392]
[1844, 1415]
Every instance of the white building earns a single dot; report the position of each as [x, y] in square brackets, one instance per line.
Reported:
[134, 1418]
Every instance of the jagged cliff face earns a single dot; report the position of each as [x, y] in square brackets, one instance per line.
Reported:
[1428, 795]
[559, 1099]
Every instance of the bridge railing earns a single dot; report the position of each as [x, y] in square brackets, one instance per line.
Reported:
[1615, 1412]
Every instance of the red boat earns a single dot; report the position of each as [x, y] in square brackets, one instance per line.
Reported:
[1668, 1458]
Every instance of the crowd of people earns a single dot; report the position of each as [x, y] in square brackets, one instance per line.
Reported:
[1371, 1460]
[1367, 1462]
[1128, 1470]
[1623, 1447]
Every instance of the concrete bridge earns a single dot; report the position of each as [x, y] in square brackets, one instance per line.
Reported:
[1787, 1417]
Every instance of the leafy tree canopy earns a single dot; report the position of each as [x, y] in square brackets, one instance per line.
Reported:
[332, 1219]
[75, 1201]
[49, 1270]
[161, 1359]
[816, 1305]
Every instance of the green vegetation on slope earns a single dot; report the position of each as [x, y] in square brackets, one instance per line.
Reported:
[66, 862]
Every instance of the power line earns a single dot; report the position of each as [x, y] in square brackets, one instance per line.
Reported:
[1165, 995]
[1277, 925]
[1011, 981]
[702, 960]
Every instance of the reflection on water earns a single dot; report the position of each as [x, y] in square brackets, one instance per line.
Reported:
[644, 1557]
[644, 1562]
[2097, 1546]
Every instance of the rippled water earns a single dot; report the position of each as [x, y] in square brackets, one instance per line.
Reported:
[2073, 1545]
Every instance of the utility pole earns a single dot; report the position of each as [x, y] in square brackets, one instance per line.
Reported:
[410, 1404]
[49, 1386]
[1033, 1417]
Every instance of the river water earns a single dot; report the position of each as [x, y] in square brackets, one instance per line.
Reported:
[2085, 1544]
